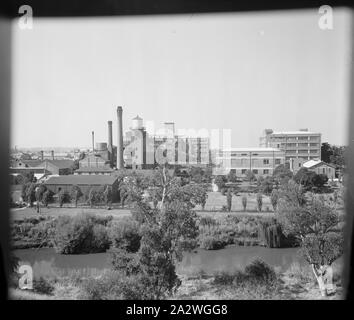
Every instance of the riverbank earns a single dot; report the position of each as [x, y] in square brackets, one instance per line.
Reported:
[294, 284]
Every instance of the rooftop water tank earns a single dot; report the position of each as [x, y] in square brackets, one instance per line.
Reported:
[137, 123]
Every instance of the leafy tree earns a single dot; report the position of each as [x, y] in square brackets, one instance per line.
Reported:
[319, 180]
[274, 199]
[29, 193]
[76, 194]
[259, 201]
[220, 181]
[267, 185]
[305, 177]
[282, 174]
[166, 232]
[292, 193]
[250, 176]
[39, 190]
[92, 198]
[326, 152]
[62, 197]
[47, 197]
[229, 199]
[244, 203]
[315, 224]
[231, 177]
[108, 195]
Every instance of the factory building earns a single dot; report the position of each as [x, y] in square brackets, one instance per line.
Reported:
[144, 151]
[261, 161]
[303, 144]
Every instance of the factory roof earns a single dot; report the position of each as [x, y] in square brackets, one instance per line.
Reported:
[82, 180]
[59, 163]
[293, 132]
[137, 118]
[94, 169]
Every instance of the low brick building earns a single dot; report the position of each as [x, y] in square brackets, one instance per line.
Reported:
[84, 182]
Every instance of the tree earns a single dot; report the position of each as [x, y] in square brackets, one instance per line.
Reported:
[229, 199]
[315, 224]
[326, 152]
[231, 177]
[28, 193]
[39, 190]
[282, 174]
[166, 232]
[63, 197]
[319, 180]
[259, 201]
[244, 202]
[274, 199]
[47, 197]
[76, 194]
[220, 181]
[108, 195]
[267, 185]
[250, 176]
[92, 197]
[305, 177]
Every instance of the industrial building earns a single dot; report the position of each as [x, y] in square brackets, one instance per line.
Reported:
[302, 144]
[84, 182]
[144, 151]
[261, 161]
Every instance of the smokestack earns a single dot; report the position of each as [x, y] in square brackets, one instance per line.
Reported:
[120, 138]
[110, 143]
[42, 155]
[52, 154]
[93, 141]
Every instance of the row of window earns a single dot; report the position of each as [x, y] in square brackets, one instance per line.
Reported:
[256, 171]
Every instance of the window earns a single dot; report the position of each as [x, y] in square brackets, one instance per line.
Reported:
[255, 171]
[324, 170]
[265, 161]
[266, 171]
[244, 154]
[277, 161]
[243, 171]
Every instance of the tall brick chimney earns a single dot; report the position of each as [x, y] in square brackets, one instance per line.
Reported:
[52, 152]
[110, 143]
[120, 163]
[93, 141]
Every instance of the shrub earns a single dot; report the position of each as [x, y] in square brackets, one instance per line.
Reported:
[261, 272]
[80, 234]
[114, 286]
[211, 243]
[259, 202]
[43, 286]
[223, 278]
[125, 234]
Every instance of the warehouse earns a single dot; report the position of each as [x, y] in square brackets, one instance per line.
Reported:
[84, 182]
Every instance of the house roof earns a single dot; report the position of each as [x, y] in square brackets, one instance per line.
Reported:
[59, 163]
[81, 180]
[94, 169]
[27, 163]
[294, 132]
[315, 163]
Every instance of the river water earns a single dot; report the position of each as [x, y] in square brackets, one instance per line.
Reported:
[46, 262]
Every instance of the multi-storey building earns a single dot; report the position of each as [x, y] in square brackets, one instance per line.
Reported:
[261, 161]
[144, 151]
[302, 145]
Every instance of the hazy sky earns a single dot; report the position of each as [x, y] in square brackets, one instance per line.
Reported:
[245, 72]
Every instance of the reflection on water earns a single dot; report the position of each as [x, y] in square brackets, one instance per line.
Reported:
[45, 262]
